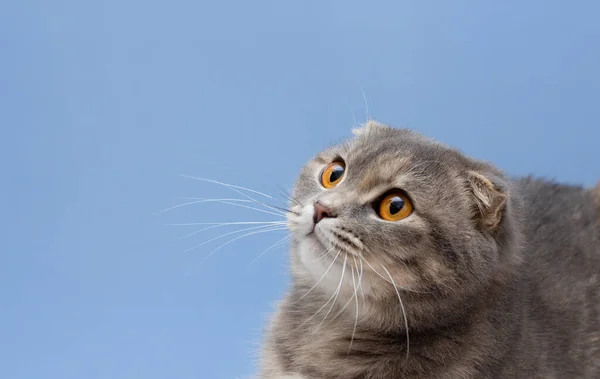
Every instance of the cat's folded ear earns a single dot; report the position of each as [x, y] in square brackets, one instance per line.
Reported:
[369, 127]
[490, 200]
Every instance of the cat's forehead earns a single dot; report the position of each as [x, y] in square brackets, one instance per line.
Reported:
[388, 152]
[380, 168]
[389, 158]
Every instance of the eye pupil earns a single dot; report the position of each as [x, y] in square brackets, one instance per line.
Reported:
[396, 205]
[336, 173]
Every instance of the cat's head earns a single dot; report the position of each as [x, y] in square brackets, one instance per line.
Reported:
[390, 205]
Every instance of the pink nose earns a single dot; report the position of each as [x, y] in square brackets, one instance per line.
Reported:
[322, 212]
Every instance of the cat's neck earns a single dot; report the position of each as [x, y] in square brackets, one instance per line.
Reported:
[439, 336]
[422, 312]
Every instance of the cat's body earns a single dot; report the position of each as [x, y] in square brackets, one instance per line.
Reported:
[508, 287]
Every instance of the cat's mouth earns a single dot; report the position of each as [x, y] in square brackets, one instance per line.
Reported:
[337, 239]
[327, 235]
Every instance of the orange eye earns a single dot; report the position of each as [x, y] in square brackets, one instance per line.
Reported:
[395, 207]
[332, 174]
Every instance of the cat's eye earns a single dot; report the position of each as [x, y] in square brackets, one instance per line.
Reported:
[394, 206]
[333, 174]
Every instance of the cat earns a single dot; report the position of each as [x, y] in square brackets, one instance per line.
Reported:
[412, 260]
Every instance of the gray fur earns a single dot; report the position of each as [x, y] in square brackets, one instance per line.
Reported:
[499, 278]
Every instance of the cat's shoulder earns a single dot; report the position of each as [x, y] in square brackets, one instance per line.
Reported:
[559, 216]
[560, 220]
[549, 196]
[533, 185]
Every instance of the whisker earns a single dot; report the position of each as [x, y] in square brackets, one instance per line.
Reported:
[289, 195]
[287, 199]
[228, 223]
[355, 296]
[220, 225]
[291, 199]
[386, 279]
[198, 200]
[322, 276]
[403, 311]
[360, 274]
[366, 103]
[324, 254]
[230, 233]
[204, 198]
[280, 208]
[275, 245]
[198, 231]
[352, 297]
[354, 123]
[227, 185]
[337, 293]
[240, 174]
[253, 208]
[362, 293]
[237, 189]
[232, 240]
[327, 302]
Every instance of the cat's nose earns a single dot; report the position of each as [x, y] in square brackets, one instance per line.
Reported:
[321, 212]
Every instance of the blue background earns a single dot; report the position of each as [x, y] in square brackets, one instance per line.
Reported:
[103, 104]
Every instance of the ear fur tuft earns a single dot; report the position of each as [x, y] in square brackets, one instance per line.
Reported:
[490, 200]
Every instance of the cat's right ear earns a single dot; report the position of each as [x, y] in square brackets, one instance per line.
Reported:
[490, 200]
[369, 127]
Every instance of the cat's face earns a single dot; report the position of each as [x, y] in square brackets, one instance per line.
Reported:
[392, 206]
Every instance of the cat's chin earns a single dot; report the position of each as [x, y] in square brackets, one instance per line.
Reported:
[311, 249]
[323, 265]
